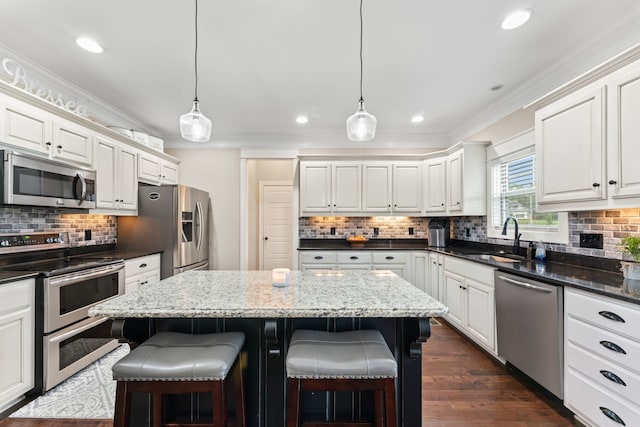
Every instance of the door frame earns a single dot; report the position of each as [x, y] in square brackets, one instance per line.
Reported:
[261, 185]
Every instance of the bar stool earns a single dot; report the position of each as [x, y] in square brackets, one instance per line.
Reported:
[342, 361]
[175, 363]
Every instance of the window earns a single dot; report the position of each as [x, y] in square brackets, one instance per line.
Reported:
[512, 174]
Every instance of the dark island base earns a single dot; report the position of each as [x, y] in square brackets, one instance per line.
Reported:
[263, 358]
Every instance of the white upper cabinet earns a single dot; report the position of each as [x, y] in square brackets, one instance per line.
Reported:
[72, 142]
[392, 188]
[25, 126]
[376, 188]
[455, 179]
[155, 170]
[435, 185]
[330, 187]
[587, 146]
[407, 188]
[116, 177]
[570, 144]
[346, 188]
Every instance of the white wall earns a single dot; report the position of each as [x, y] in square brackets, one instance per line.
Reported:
[515, 123]
[218, 172]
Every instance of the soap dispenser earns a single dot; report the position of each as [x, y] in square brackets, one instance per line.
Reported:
[541, 252]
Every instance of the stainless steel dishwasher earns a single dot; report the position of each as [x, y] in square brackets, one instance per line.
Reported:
[529, 317]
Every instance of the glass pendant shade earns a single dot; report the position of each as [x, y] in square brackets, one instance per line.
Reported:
[194, 126]
[361, 126]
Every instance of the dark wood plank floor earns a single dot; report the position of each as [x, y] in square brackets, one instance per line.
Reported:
[462, 387]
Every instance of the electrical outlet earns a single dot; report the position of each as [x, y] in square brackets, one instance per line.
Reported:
[333, 231]
[590, 240]
[467, 231]
[410, 230]
[87, 234]
[376, 231]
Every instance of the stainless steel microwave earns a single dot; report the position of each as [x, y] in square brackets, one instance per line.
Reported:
[33, 181]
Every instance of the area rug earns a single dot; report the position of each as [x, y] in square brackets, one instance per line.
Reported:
[88, 394]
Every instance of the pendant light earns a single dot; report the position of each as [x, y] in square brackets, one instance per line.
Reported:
[194, 126]
[361, 126]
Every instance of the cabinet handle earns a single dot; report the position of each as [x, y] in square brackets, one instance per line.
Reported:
[59, 147]
[595, 184]
[612, 346]
[612, 415]
[612, 182]
[389, 257]
[318, 257]
[611, 316]
[48, 144]
[354, 257]
[143, 265]
[612, 377]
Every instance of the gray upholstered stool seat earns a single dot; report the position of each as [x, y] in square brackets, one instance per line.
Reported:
[173, 363]
[342, 361]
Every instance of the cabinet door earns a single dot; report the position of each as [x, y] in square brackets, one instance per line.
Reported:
[25, 126]
[132, 284]
[315, 187]
[127, 179]
[624, 139]
[105, 164]
[376, 188]
[435, 185]
[149, 168]
[453, 298]
[570, 147]
[347, 188]
[407, 187]
[169, 172]
[435, 276]
[480, 311]
[72, 142]
[420, 263]
[455, 193]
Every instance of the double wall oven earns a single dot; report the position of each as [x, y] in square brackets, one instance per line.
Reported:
[67, 339]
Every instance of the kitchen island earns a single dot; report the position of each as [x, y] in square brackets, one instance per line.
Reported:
[218, 301]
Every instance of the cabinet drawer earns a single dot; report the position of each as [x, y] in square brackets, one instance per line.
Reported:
[17, 294]
[591, 401]
[390, 257]
[478, 272]
[603, 311]
[141, 265]
[608, 375]
[353, 257]
[317, 257]
[604, 343]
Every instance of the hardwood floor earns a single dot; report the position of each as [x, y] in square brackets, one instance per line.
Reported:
[461, 387]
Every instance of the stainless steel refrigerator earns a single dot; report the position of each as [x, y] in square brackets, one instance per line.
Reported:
[173, 219]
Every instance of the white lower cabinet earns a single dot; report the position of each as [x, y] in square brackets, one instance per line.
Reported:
[398, 262]
[602, 351]
[470, 295]
[435, 276]
[353, 260]
[17, 335]
[141, 271]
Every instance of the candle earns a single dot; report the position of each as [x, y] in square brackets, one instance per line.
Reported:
[280, 277]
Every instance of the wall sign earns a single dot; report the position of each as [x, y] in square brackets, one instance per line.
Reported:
[17, 76]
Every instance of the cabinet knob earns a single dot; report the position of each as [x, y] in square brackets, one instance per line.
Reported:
[48, 144]
[595, 185]
[441, 204]
[612, 182]
[59, 147]
[266, 238]
[457, 203]
[143, 265]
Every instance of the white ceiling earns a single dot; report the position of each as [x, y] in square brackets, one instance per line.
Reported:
[262, 63]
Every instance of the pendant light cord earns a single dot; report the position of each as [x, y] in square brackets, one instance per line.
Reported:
[361, 67]
[196, 56]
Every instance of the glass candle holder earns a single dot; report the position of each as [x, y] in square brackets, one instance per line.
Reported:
[280, 277]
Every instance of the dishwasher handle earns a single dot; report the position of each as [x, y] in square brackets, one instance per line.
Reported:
[525, 285]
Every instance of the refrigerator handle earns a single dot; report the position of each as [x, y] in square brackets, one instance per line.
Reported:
[199, 226]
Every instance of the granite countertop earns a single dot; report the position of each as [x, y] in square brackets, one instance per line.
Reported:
[604, 282]
[250, 294]
[373, 244]
[123, 254]
[13, 276]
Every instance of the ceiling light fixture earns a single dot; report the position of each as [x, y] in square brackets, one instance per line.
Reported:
[89, 45]
[417, 119]
[194, 126]
[361, 126]
[302, 119]
[516, 19]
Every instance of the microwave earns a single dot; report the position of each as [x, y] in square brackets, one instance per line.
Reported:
[33, 181]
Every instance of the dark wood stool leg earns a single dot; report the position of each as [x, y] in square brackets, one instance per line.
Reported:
[219, 404]
[293, 409]
[238, 390]
[378, 405]
[123, 405]
[390, 402]
[157, 409]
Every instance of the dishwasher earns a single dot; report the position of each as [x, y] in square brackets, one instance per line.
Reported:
[529, 318]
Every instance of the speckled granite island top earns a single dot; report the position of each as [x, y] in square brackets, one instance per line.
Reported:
[250, 294]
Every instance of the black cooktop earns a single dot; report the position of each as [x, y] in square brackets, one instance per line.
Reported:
[57, 266]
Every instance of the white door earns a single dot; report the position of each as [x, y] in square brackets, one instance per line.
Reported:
[276, 221]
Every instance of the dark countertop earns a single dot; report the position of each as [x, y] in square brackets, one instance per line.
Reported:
[604, 282]
[371, 245]
[14, 276]
[124, 254]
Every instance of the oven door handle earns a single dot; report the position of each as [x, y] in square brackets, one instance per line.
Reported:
[84, 275]
[76, 331]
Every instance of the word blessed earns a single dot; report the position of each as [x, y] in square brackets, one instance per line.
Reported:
[22, 80]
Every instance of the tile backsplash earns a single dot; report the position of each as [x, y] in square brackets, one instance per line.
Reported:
[612, 224]
[389, 227]
[14, 219]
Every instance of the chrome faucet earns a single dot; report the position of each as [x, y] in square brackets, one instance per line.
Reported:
[516, 240]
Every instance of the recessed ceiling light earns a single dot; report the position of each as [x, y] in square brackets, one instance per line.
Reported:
[516, 19]
[417, 119]
[302, 119]
[89, 45]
